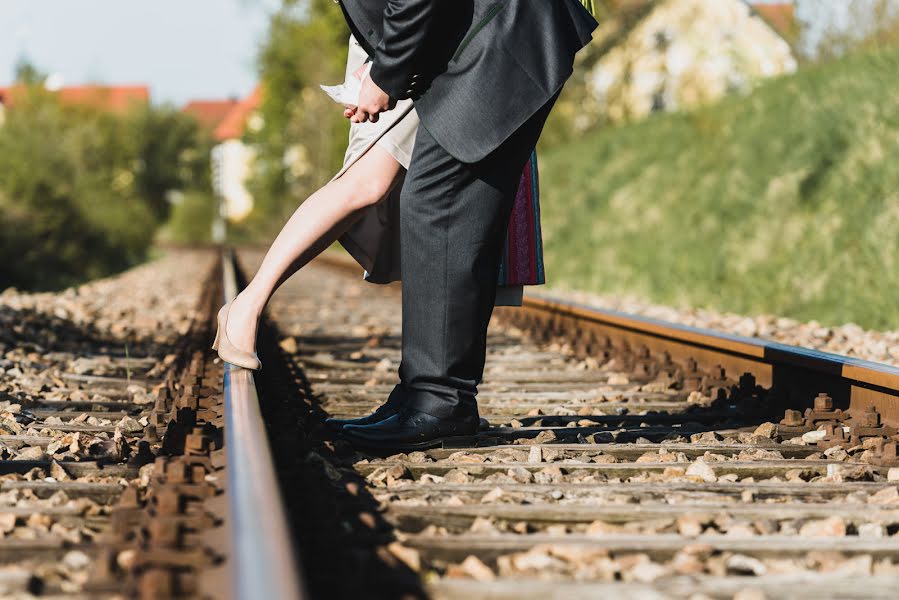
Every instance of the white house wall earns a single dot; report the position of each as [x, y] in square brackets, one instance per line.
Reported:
[232, 162]
[685, 53]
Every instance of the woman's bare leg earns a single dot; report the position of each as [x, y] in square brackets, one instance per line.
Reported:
[315, 225]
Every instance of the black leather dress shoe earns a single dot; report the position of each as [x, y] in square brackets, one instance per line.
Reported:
[393, 405]
[411, 429]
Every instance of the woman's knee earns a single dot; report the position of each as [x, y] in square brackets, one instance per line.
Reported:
[365, 188]
[371, 191]
[370, 180]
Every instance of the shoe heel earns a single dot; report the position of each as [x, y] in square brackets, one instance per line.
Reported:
[219, 325]
[226, 350]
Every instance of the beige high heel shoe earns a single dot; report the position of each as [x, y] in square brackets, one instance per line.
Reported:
[227, 351]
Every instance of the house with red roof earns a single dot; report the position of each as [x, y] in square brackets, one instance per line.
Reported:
[113, 98]
[210, 113]
[674, 55]
[232, 158]
[117, 99]
[238, 119]
[780, 17]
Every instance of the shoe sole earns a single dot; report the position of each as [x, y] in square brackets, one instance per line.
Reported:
[340, 426]
[455, 441]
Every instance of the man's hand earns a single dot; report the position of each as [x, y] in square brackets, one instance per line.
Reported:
[372, 102]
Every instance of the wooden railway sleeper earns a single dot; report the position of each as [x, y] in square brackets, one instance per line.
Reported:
[172, 552]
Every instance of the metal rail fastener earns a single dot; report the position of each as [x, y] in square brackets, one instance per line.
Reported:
[263, 558]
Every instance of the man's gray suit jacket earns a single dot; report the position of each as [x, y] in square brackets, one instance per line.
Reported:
[478, 69]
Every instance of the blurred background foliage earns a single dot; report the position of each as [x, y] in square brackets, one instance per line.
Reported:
[83, 191]
[300, 136]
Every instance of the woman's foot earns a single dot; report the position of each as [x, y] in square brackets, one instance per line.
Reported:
[243, 321]
[228, 351]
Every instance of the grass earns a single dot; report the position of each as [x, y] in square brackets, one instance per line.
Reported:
[782, 201]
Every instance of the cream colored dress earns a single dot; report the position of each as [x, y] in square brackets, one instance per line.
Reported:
[374, 241]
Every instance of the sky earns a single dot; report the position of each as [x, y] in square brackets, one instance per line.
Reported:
[183, 49]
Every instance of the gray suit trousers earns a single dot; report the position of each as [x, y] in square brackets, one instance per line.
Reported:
[453, 216]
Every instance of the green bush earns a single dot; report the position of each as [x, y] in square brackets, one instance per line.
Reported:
[784, 201]
[82, 191]
[172, 153]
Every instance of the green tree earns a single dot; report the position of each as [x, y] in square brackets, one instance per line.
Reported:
[68, 211]
[171, 154]
[26, 72]
[302, 134]
[82, 190]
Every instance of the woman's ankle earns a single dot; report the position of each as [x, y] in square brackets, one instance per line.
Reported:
[249, 304]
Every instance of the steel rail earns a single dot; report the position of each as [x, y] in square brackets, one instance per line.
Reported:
[263, 558]
[798, 373]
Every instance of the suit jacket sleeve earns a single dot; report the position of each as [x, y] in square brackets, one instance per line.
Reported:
[407, 24]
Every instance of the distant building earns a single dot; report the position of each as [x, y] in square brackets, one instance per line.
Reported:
[683, 53]
[210, 113]
[780, 17]
[116, 99]
[232, 159]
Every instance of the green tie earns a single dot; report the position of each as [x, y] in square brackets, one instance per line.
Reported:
[588, 4]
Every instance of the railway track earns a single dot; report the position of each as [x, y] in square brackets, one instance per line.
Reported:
[619, 455]
[133, 462]
[623, 456]
[87, 380]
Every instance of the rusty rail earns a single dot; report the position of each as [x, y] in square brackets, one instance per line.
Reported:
[797, 375]
[264, 563]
